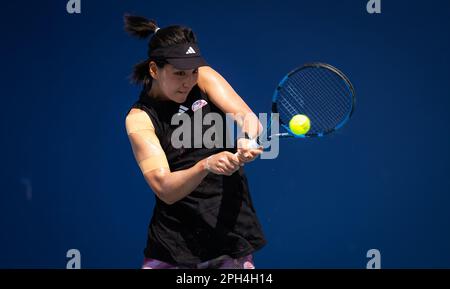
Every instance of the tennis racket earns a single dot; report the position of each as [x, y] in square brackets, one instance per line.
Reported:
[319, 91]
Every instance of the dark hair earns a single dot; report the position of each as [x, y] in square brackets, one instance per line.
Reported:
[142, 28]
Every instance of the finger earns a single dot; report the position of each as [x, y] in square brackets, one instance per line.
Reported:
[241, 161]
[255, 153]
[229, 166]
[235, 163]
[244, 150]
[233, 170]
[240, 157]
[230, 172]
[251, 156]
[259, 150]
[234, 159]
[247, 156]
[227, 172]
[244, 154]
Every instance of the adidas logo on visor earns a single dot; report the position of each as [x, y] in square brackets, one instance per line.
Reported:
[190, 50]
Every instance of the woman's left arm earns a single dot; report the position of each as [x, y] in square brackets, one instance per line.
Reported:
[226, 99]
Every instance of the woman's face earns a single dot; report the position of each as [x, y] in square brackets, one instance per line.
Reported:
[176, 84]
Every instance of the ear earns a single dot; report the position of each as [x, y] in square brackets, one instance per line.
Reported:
[153, 69]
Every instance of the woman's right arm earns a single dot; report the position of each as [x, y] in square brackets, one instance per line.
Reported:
[170, 186]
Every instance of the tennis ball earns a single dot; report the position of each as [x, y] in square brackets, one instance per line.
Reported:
[299, 124]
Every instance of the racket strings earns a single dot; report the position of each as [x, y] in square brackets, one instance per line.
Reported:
[304, 89]
[338, 87]
[324, 92]
[319, 97]
[295, 105]
[320, 94]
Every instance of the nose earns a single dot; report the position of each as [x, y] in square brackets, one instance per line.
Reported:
[191, 80]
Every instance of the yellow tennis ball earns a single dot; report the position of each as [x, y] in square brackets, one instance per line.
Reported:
[299, 124]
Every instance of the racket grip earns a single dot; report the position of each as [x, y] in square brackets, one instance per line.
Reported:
[253, 144]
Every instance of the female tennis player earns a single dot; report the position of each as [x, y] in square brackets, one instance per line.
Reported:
[203, 216]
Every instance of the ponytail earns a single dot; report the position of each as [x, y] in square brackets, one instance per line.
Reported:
[139, 27]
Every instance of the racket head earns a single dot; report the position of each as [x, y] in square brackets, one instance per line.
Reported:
[319, 91]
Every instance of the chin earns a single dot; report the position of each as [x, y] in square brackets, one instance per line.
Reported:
[179, 98]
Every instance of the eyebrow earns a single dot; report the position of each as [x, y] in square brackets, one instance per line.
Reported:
[189, 70]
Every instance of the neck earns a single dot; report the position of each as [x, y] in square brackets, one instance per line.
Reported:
[155, 92]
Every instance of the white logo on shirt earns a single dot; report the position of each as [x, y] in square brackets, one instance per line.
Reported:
[182, 109]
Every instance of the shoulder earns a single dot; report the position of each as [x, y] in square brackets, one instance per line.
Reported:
[206, 77]
[138, 119]
[135, 110]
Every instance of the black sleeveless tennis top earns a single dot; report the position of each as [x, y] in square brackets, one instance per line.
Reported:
[218, 217]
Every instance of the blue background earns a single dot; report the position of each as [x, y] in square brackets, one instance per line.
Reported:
[69, 179]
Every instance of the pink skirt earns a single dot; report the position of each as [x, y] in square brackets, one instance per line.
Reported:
[222, 262]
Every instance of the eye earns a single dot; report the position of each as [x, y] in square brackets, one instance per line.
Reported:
[180, 73]
[195, 71]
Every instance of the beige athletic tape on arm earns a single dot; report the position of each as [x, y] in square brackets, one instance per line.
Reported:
[138, 120]
[146, 146]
